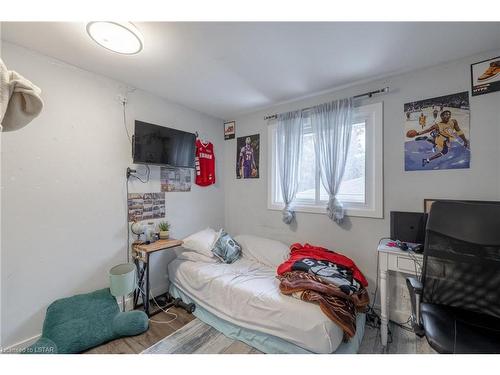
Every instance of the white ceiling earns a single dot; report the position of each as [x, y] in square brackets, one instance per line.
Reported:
[224, 69]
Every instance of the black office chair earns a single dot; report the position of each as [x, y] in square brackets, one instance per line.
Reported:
[457, 303]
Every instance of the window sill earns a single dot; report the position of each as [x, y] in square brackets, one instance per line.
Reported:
[349, 211]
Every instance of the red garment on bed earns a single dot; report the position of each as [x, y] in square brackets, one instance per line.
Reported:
[298, 252]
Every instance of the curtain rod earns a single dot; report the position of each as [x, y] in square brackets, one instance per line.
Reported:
[368, 94]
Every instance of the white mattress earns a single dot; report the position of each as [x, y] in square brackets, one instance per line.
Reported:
[246, 293]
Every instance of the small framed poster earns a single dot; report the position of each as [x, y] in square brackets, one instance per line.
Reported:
[229, 130]
[485, 76]
[247, 156]
[437, 133]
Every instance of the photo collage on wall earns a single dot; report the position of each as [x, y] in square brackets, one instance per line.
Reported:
[146, 206]
[437, 133]
[247, 156]
[175, 179]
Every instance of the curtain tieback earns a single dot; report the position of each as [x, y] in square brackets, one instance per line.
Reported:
[335, 210]
[288, 214]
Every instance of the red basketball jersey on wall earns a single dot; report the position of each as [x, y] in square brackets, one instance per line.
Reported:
[205, 163]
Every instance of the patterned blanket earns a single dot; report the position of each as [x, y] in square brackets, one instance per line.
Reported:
[338, 305]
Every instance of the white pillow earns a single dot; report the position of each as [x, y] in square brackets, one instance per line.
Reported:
[201, 242]
[269, 252]
[197, 257]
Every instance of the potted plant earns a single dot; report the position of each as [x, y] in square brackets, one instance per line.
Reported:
[163, 227]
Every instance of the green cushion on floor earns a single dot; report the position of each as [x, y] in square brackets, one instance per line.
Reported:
[81, 322]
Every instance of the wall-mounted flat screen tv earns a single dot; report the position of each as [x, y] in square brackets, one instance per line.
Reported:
[153, 144]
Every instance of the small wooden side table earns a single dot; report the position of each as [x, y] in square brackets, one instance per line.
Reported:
[141, 254]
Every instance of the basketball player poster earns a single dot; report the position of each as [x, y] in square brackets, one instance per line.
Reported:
[485, 76]
[247, 156]
[437, 133]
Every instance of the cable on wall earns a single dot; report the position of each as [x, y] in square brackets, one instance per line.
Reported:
[124, 106]
[144, 180]
[123, 99]
[372, 317]
[128, 229]
[133, 173]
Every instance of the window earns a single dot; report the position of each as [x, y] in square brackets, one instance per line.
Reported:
[361, 187]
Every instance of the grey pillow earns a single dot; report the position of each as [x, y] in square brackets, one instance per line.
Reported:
[226, 249]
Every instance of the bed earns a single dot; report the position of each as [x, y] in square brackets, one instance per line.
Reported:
[243, 301]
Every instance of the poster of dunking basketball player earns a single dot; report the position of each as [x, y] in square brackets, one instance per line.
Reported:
[247, 156]
[437, 133]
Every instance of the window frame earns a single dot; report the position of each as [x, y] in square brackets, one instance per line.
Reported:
[372, 115]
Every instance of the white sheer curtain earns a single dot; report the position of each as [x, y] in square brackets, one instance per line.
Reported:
[289, 148]
[331, 124]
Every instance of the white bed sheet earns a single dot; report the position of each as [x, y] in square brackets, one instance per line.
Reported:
[246, 293]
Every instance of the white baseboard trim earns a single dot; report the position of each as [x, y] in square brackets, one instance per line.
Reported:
[17, 347]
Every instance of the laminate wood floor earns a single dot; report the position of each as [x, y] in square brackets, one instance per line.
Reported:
[197, 337]
[403, 341]
[156, 332]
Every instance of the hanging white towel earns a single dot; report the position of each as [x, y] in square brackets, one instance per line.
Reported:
[20, 100]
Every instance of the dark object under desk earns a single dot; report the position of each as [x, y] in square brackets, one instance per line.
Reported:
[141, 253]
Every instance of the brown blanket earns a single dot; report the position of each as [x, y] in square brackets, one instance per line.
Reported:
[338, 306]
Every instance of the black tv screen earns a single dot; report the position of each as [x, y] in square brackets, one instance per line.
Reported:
[159, 145]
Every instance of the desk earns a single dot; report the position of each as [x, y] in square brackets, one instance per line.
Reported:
[392, 259]
[141, 253]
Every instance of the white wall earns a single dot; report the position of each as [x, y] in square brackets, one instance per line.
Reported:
[0, 210]
[246, 200]
[63, 193]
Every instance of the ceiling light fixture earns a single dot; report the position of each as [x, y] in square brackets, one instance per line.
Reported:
[119, 37]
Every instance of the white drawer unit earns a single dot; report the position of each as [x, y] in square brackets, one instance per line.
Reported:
[397, 260]
[402, 264]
